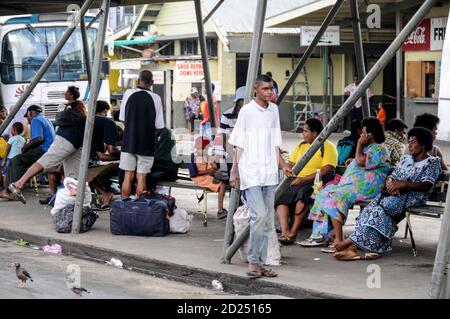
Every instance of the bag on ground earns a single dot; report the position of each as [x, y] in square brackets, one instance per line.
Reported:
[180, 222]
[66, 196]
[140, 217]
[63, 219]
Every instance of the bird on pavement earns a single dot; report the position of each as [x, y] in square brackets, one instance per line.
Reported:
[22, 274]
[79, 291]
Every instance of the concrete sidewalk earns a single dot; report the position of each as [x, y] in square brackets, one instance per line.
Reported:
[195, 257]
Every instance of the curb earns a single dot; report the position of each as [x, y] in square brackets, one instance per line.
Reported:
[166, 270]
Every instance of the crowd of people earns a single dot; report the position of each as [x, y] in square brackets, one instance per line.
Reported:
[385, 164]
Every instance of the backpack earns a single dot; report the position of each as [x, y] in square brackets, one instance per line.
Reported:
[193, 171]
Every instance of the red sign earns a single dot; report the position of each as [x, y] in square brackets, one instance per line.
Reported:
[419, 39]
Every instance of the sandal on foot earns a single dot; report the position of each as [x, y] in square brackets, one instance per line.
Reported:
[312, 242]
[265, 272]
[286, 240]
[253, 274]
[17, 193]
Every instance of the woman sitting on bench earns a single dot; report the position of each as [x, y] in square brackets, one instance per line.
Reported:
[208, 176]
[409, 185]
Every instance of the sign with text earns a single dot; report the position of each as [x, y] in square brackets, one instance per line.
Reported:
[330, 37]
[437, 33]
[158, 77]
[419, 39]
[189, 71]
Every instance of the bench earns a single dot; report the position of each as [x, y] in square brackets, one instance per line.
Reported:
[184, 181]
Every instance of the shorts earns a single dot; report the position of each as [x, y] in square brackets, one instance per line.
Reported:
[62, 152]
[4, 169]
[139, 163]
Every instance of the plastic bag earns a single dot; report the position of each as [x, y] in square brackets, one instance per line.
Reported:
[180, 222]
[240, 221]
[66, 196]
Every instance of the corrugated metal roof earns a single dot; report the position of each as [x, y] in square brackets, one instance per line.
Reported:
[238, 16]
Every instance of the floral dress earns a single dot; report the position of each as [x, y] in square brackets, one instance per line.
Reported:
[357, 184]
[375, 226]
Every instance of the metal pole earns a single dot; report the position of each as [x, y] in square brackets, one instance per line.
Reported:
[255, 51]
[331, 75]
[87, 57]
[399, 67]
[440, 279]
[331, 14]
[212, 11]
[362, 87]
[359, 52]
[229, 248]
[202, 39]
[86, 151]
[40, 73]
[168, 98]
[325, 81]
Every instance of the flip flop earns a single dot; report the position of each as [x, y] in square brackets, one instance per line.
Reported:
[17, 193]
[330, 249]
[366, 256]
[253, 274]
[286, 240]
[312, 242]
[267, 272]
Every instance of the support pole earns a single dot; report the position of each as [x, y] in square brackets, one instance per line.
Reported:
[399, 68]
[168, 97]
[325, 82]
[359, 52]
[94, 87]
[212, 11]
[255, 51]
[87, 57]
[40, 73]
[362, 87]
[331, 14]
[440, 279]
[229, 248]
[331, 76]
[202, 39]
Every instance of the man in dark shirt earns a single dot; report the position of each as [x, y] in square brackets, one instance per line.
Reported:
[141, 111]
[104, 149]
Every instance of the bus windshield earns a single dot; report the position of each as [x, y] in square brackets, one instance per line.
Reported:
[25, 50]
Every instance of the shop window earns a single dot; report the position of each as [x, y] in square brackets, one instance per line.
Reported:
[169, 49]
[188, 46]
[211, 47]
[421, 79]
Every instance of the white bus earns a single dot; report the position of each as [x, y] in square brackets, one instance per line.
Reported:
[26, 41]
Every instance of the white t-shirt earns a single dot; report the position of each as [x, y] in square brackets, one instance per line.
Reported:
[159, 120]
[351, 88]
[257, 132]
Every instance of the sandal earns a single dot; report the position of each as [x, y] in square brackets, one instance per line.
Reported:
[17, 193]
[286, 240]
[330, 249]
[312, 242]
[253, 274]
[265, 272]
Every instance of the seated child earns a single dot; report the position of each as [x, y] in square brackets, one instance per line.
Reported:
[207, 173]
[14, 147]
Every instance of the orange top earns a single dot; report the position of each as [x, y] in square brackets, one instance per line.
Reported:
[206, 112]
[381, 115]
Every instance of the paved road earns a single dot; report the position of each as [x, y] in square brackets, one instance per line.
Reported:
[103, 281]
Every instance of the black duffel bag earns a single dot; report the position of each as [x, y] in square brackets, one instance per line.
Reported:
[140, 217]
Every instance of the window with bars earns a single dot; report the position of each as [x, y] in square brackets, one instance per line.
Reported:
[188, 47]
[211, 46]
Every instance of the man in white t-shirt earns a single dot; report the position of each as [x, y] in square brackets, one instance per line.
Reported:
[356, 112]
[257, 138]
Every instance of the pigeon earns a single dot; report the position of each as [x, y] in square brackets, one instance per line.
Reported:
[22, 274]
[79, 291]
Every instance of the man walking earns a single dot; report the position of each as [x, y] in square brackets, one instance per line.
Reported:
[141, 111]
[257, 138]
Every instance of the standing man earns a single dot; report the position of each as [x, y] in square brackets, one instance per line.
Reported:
[141, 111]
[205, 128]
[356, 113]
[257, 138]
[191, 108]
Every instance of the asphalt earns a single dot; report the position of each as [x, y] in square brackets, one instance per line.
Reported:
[194, 258]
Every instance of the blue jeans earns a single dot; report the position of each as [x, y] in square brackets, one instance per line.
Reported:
[260, 202]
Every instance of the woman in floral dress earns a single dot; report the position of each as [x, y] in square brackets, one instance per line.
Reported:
[361, 181]
[409, 185]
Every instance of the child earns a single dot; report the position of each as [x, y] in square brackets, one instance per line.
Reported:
[206, 176]
[14, 147]
[381, 114]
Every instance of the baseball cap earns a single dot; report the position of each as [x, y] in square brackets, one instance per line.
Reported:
[240, 93]
[35, 108]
